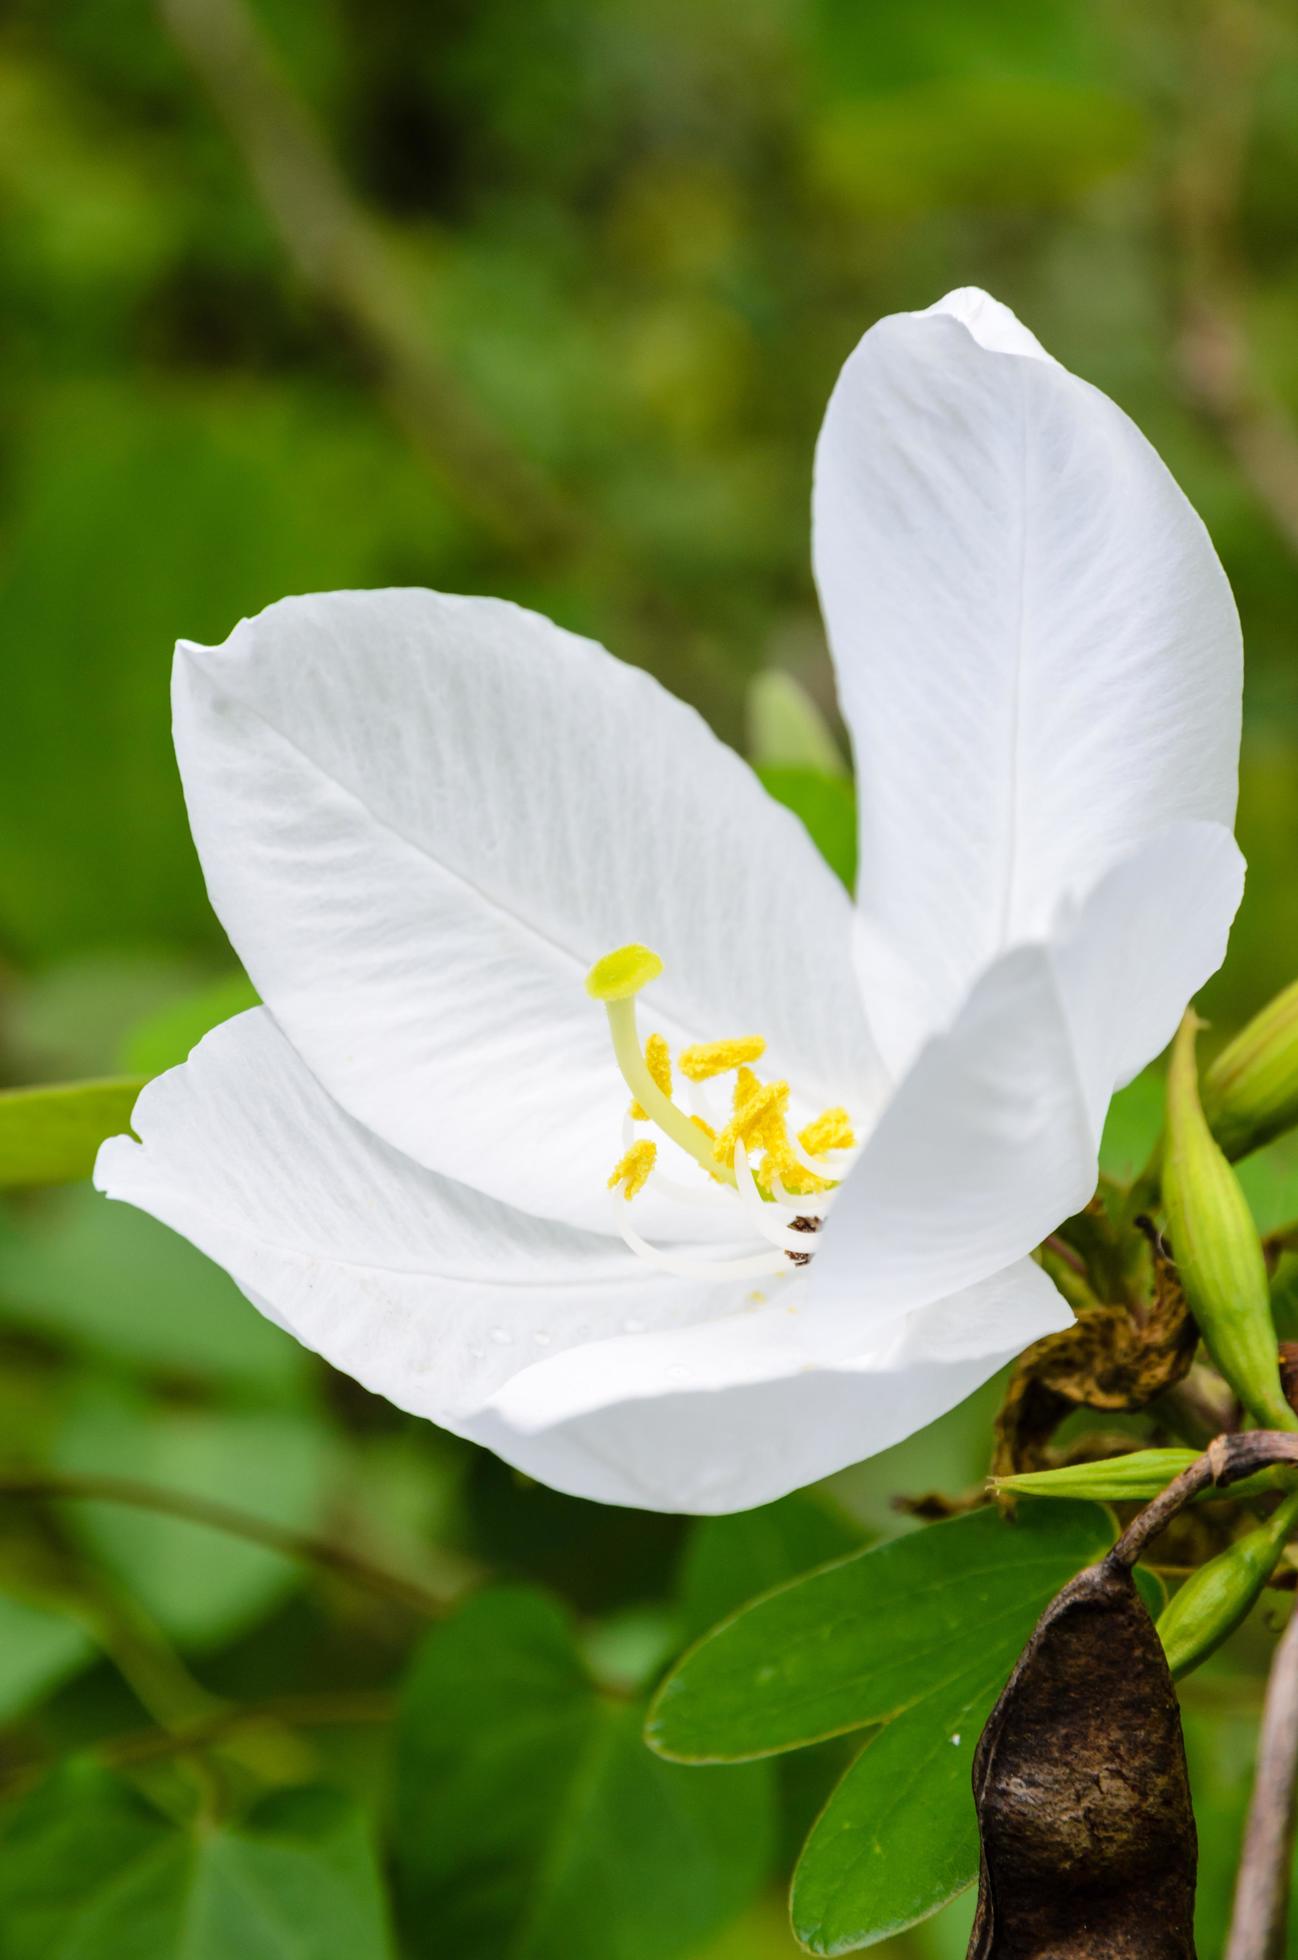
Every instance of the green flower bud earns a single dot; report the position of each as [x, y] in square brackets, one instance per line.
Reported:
[1216, 1247]
[1131, 1479]
[1114, 1480]
[1222, 1593]
[1250, 1094]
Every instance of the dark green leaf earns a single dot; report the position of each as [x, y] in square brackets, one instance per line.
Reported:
[531, 1822]
[729, 1560]
[860, 1641]
[88, 1872]
[826, 805]
[50, 1135]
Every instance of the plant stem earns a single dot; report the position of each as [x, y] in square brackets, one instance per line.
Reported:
[1257, 1930]
[301, 1545]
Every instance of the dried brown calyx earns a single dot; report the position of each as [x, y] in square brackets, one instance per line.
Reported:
[1110, 1359]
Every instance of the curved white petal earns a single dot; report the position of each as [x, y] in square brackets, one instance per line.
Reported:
[424, 1290]
[422, 818]
[1038, 654]
[553, 1347]
[993, 1135]
[735, 1413]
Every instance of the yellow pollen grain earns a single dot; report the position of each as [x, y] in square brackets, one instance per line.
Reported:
[708, 1058]
[756, 1103]
[831, 1130]
[632, 1171]
[658, 1061]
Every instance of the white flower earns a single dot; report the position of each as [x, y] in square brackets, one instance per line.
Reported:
[422, 819]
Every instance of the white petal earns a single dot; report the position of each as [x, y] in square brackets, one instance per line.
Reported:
[422, 818]
[647, 1391]
[1037, 650]
[993, 1135]
[425, 1291]
[738, 1412]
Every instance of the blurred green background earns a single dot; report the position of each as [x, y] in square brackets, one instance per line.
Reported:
[541, 298]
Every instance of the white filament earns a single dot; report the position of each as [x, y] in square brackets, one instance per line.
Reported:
[759, 1265]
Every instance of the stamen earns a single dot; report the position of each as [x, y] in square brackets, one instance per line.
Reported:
[831, 1130]
[756, 1103]
[763, 1215]
[632, 1170]
[658, 1061]
[708, 1058]
[756, 1266]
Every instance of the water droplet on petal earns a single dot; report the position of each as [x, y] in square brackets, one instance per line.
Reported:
[502, 1336]
[633, 1327]
[541, 1338]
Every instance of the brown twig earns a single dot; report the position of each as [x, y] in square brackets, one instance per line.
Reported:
[304, 1546]
[347, 262]
[1258, 1922]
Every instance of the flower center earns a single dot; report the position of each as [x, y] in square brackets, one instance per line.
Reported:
[775, 1179]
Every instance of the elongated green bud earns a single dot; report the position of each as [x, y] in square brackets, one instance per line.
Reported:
[1250, 1094]
[1131, 1479]
[1222, 1593]
[1216, 1247]
[1115, 1480]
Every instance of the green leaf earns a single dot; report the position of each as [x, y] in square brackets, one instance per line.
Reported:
[39, 1651]
[729, 1560]
[113, 1283]
[532, 1824]
[898, 1838]
[164, 1038]
[88, 1872]
[786, 727]
[827, 807]
[50, 1135]
[201, 1585]
[858, 1642]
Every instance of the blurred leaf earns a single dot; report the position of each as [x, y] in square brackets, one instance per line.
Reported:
[116, 1284]
[971, 140]
[826, 805]
[531, 1820]
[39, 1651]
[50, 1135]
[729, 1560]
[786, 729]
[201, 1585]
[861, 1641]
[164, 1040]
[1133, 1125]
[88, 1871]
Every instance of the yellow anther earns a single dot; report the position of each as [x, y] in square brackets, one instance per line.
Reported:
[706, 1128]
[797, 1180]
[708, 1058]
[658, 1061]
[621, 974]
[831, 1130]
[632, 1171]
[756, 1103]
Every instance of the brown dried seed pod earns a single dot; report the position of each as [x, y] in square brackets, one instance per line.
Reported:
[1088, 1839]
